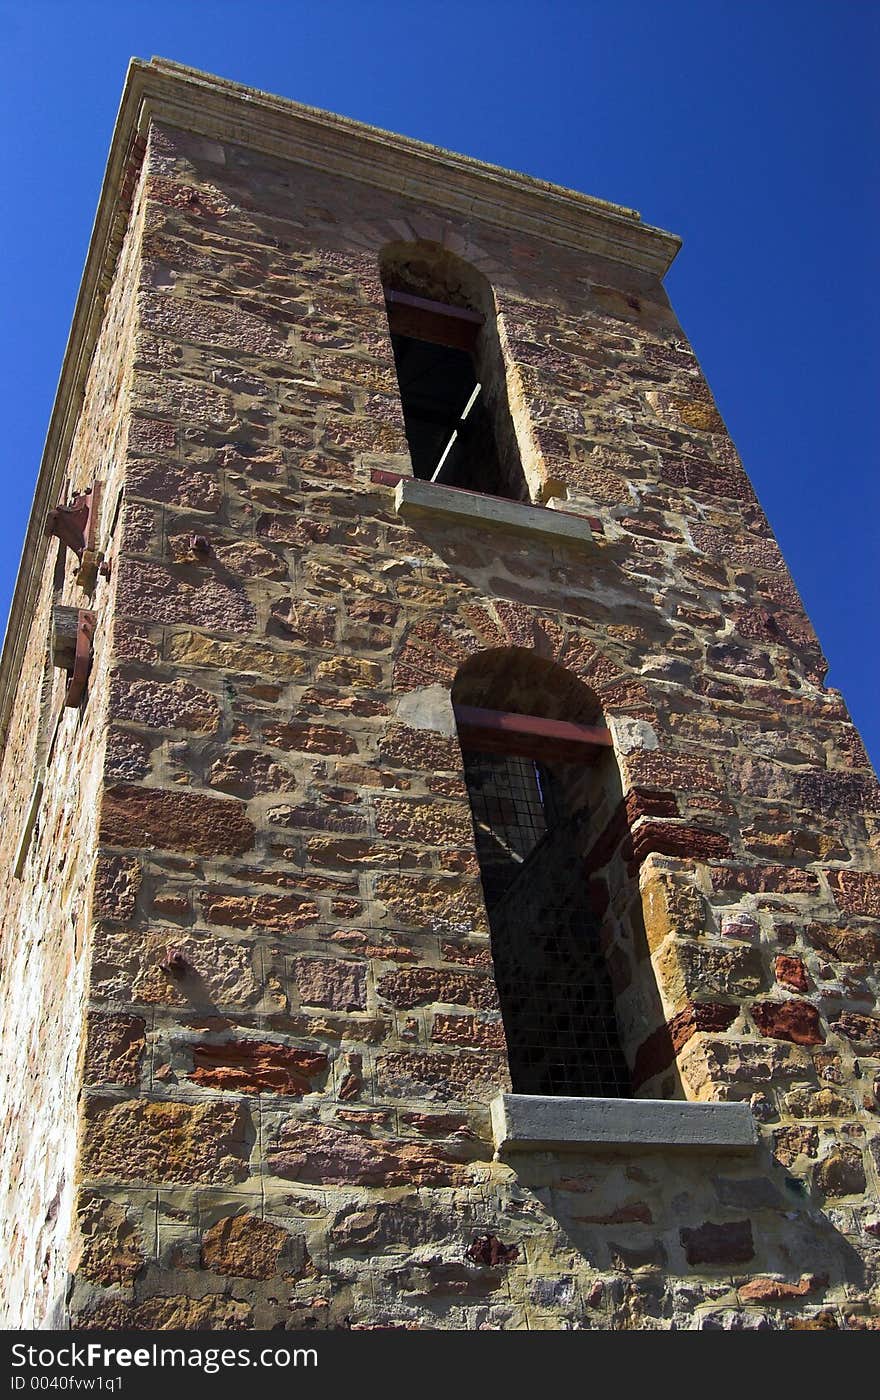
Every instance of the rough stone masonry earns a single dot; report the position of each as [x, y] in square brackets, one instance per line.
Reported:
[250, 1030]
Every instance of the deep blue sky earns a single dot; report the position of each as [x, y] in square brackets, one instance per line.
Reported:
[748, 126]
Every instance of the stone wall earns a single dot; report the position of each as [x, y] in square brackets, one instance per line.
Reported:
[293, 1031]
[45, 935]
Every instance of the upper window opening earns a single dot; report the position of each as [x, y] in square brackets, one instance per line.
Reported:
[451, 375]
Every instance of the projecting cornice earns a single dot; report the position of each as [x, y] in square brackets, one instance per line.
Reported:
[212, 107]
[227, 111]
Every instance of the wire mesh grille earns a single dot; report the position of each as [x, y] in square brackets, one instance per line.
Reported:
[553, 984]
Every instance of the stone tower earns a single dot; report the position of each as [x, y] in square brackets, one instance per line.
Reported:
[439, 890]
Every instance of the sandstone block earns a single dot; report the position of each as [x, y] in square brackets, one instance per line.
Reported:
[192, 490]
[707, 1063]
[309, 738]
[771, 1290]
[711, 1243]
[670, 906]
[153, 593]
[276, 913]
[448, 906]
[135, 1140]
[847, 945]
[177, 705]
[348, 671]
[468, 1031]
[112, 1246]
[176, 1313]
[856, 892]
[688, 970]
[426, 823]
[245, 772]
[419, 986]
[465, 1077]
[332, 1156]
[214, 970]
[309, 624]
[244, 1246]
[864, 1030]
[790, 971]
[174, 821]
[117, 881]
[797, 1021]
[378, 1227]
[257, 1067]
[195, 649]
[766, 879]
[340, 984]
[249, 559]
[421, 749]
[791, 1143]
[842, 1172]
[128, 757]
[115, 1049]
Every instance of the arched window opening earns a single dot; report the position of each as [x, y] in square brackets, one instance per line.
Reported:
[450, 371]
[537, 765]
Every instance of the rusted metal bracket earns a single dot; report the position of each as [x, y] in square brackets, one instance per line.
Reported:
[174, 964]
[77, 665]
[76, 525]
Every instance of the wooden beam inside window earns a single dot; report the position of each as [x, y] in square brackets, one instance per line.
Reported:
[500, 731]
[434, 321]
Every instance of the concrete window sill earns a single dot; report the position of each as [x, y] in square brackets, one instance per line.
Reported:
[414, 499]
[532, 1123]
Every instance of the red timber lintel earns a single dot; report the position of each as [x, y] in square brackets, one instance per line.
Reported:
[499, 731]
[433, 321]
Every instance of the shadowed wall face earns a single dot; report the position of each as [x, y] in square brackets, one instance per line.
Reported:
[266, 965]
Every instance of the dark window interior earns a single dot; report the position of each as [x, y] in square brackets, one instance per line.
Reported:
[556, 998]
[446, 407]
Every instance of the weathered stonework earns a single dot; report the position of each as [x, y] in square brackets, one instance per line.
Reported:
[249, 1017]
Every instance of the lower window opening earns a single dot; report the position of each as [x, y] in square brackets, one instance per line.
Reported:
[557, 1002]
